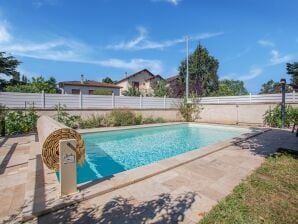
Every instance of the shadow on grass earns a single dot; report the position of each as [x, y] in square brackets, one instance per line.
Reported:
[268, 143]
[164, 208]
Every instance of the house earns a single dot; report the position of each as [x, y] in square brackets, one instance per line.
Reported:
[142, 80]
[87, 87]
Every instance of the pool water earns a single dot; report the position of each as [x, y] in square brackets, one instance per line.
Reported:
[111, 152]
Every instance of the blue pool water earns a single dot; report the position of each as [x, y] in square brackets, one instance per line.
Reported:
[112, 152]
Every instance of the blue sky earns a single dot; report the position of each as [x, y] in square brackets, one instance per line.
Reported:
[252, 39]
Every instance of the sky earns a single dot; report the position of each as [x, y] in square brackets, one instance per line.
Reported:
[252, 39]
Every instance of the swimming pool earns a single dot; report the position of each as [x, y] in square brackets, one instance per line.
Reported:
[112, 152]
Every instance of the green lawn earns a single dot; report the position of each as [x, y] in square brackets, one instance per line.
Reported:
[269, 195]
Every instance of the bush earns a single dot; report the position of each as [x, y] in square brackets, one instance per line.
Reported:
[65, 118]
[102, 92]
[138, 118]
[272, 117]
[3, 113]
[151, 120]
[18, 122]
[121, 118]
[94, 121]
[189, 111]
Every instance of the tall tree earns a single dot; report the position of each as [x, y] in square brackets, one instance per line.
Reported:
[231, 87]
[108, 80]
[271, 87]
[8, 66]
[292, 69]
[203, 78]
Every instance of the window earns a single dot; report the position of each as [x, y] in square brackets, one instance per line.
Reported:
[75, 91]
[91, 91]
[135, 85]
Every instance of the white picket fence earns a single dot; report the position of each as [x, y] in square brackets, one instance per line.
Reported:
[48, 101]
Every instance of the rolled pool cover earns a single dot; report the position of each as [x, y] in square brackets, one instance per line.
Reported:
[50, 132]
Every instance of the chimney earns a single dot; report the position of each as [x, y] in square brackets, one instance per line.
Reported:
[82, 79]
[125, 74]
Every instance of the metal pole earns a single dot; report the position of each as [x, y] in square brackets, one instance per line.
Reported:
[187, 74]
[283, 102]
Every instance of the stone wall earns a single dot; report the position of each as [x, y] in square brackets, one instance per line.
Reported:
[243, 114]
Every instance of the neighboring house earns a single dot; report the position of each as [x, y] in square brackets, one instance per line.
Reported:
[174, 86]
[87, 87]
[142, 80]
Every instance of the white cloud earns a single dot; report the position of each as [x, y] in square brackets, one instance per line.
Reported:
[133, 64]
[4, 34]
[67, 50]
[276, 58]
[174, 2]
[253, 73]
[266, 43]
[141, 42]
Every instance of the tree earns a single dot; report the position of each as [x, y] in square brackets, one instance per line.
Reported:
[131, 91]
[160, 89]
[37, 85]
[8, 66]
[109, 80]
[203, 78]
[292, 69]
[231, 87]
[271, 87]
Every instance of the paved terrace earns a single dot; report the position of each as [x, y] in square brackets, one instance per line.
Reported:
[183, 194]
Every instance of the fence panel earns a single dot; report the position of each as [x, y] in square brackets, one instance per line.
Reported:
[68, 100]
[21, 100]
[127, 102]
[39, 100]
[152, 103]
[91, 101]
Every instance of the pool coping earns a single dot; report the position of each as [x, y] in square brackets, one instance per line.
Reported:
[108, 184]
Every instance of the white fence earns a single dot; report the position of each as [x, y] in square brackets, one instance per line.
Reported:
[48, 101]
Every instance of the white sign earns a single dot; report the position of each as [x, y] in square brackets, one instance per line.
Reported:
[68, 158]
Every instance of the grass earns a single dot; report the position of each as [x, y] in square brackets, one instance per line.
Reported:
[269, 195]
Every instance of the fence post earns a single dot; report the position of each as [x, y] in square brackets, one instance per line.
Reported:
[113, 100]
[81, 100]
[249, 97]
[141, 102]
[217, 100]
[43, 100]
[293, 95]
[164, 102]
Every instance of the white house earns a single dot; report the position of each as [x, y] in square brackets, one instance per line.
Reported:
[87, 87]
[141, 80]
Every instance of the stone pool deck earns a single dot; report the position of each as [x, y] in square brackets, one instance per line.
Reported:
[181, 194]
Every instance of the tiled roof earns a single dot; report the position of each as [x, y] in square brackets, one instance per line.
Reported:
[90, 83]
[172, 78]
[134, 74]
[156, 76]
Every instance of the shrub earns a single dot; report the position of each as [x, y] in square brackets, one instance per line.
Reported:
[102, 92]
[138, 118]
[65, 118]
[3, 113]
[151, 120]
[17, 122]
[189, 110]
[148, 120]
[131, 91]
[94, 121]
[121, 118]
[272, 117]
